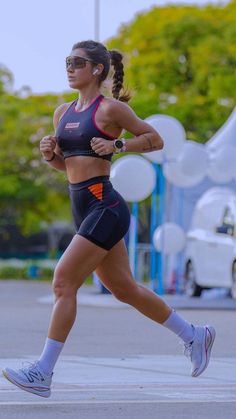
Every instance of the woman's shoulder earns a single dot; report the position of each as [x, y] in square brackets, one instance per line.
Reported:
[60, 110]
[113, 105]
[116, 111]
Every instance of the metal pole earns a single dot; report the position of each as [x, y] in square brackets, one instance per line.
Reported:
[180, 255]
[153, 225]
[160, 269]
[97, 20]
[133, 238]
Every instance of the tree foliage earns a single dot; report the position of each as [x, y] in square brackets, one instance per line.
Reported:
[181, 60]
[30, 191]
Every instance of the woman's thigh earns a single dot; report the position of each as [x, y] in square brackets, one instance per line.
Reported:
[78, 261]
[114, 270]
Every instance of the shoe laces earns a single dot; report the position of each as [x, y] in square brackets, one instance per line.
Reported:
[188, 349]
[27, 365]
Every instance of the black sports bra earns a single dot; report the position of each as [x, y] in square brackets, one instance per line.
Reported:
[77, 128]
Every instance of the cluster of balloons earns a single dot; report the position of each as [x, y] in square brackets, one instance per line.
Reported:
[222, 151]
[222, 164]
[135, 179]
[185, 164]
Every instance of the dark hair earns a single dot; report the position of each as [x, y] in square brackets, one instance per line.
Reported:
[100, 55]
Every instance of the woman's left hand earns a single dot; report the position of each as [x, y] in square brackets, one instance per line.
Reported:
[101, 146]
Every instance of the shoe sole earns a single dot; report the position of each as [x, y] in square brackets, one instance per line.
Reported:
[210, 334]
[44, 393]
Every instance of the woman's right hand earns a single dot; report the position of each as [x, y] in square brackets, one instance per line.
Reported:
[47, 146]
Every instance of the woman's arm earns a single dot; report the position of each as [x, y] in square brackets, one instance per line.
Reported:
[122, 117]
[146, 137]
[48, 145]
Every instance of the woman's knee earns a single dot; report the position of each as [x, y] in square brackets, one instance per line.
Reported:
[61, 284]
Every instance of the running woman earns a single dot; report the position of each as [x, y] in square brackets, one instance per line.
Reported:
[87, 133]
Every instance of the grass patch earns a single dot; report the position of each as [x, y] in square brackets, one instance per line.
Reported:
[31, 271]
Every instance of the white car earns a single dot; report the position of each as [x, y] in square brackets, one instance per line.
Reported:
[210, 258]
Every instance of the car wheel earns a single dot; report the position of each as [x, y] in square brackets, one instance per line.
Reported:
[233, 287]
[192, 289]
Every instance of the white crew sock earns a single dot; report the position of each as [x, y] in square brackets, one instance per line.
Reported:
[180, 327]
[50, 354]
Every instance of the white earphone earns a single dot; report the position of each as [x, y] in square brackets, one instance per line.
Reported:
[95, 72]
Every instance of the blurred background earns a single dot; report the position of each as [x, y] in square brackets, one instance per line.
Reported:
[180, 60]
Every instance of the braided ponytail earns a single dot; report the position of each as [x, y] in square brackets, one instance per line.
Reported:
[116, 62]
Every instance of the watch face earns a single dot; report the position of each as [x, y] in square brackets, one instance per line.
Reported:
[119, 144]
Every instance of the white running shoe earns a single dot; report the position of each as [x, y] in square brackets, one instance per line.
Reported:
[199, 350]
[31, 379]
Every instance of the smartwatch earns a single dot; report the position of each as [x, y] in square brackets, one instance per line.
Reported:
[119, 145]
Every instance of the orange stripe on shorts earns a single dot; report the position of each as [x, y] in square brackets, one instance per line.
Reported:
[97, 190]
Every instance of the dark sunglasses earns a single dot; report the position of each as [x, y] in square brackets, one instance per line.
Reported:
[75, 62]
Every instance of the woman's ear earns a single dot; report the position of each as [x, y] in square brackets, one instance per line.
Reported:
[98, 69]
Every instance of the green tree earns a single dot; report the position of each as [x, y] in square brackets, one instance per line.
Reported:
[6, 80]
[30, 191]
[180, 60]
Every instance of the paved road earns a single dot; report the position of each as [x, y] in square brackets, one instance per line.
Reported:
[116, 363]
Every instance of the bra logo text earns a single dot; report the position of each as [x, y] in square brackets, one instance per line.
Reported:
[72, 125]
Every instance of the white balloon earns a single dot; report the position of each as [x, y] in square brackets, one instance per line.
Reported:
[174, 174]
[133, 177]
[225, 135]
[173, 135]
[155, 156]
[217, 176]
[193, 159]
[169, 238]
[222, 167]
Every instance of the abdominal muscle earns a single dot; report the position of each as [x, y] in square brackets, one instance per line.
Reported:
[81, 168]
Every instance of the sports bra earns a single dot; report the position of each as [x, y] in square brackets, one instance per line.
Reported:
[77, 128]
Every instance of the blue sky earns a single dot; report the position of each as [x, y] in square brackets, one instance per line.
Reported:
[36, 36]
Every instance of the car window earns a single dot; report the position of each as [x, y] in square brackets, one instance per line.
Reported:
[228, 222]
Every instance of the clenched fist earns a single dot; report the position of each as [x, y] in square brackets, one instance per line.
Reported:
[102, 146]
[47, 146]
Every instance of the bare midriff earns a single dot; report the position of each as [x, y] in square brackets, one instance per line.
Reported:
[81, 168]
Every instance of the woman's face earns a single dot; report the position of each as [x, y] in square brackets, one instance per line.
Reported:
[79, 69]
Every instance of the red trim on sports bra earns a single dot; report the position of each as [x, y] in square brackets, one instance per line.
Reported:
[90, 104]
[95, 124]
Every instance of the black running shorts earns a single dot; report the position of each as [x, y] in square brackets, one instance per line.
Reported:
[100, 213]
